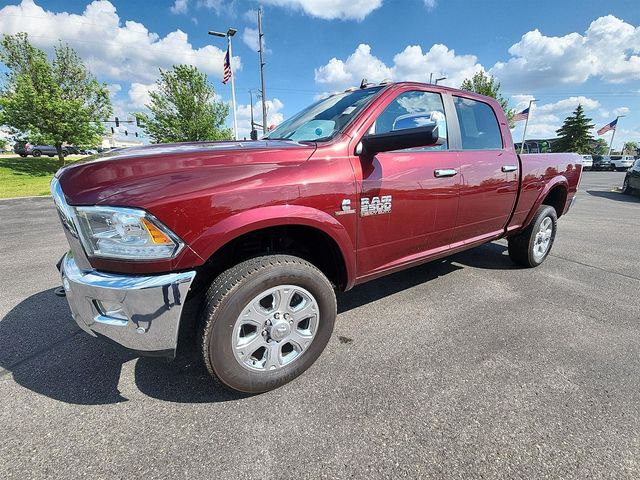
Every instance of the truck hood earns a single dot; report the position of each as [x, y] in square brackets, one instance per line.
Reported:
[169, 169]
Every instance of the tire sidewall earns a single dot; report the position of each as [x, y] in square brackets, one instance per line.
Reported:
[544, 212]
[219, 346]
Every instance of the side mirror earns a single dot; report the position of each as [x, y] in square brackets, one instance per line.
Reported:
[426, 136]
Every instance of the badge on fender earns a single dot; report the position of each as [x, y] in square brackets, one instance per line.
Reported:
[375, 205]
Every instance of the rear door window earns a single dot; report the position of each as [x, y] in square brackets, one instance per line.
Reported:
[478, 125]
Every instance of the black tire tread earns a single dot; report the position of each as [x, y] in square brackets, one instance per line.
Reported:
[519, 245]
[225, 285]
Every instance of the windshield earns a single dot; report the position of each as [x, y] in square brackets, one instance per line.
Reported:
[323, 119]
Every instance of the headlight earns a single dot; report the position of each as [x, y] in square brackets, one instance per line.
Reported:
[128, 233]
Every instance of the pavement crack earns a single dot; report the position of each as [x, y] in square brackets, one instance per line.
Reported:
[6, 371]
[593, 266]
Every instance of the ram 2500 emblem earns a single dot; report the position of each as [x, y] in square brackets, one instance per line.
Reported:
[375, 205]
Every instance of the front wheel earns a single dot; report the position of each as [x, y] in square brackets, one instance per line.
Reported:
[531, 246]
[626, 188]
[37, 153]
[265, 321]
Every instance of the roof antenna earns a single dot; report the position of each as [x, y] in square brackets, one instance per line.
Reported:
[364, 83]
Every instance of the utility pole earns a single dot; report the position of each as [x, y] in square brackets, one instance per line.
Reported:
[261, 51]
[254, 132]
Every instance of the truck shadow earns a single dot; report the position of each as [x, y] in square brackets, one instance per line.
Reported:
[617, 196]
[45, 352]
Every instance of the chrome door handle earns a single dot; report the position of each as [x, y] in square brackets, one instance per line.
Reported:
[445, 172]
[509, 168]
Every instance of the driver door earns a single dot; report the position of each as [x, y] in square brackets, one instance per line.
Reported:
[408, 198]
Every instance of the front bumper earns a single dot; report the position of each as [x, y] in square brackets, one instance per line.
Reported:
[141, 313]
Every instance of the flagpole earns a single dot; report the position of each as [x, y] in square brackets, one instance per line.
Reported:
[233, 89]
[613, 135]
[526, 123]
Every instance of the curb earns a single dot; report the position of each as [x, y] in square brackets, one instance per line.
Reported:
[22, 198]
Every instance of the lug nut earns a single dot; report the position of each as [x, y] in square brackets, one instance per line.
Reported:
[276, 315]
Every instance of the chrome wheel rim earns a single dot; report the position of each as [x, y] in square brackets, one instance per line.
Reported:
[275, 328]
[543, 238]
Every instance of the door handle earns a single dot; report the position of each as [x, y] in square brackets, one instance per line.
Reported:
[445, 172]
[509, 168]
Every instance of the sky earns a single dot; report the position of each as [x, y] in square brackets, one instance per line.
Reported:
[561, 53]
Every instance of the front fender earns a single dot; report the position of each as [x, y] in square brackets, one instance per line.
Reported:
[221, 233]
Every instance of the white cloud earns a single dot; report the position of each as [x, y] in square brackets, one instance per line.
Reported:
[609, 49]
[139, 94]
[180, 6]
[621, 111]
[111, 47]
[569, 105]
[331, 9]
[430, 4]
[243, 112]
[411, 64]
[250, 38]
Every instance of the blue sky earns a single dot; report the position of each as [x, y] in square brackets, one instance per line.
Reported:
[561, 52]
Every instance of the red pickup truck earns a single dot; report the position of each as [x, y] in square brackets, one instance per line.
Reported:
[256, 236]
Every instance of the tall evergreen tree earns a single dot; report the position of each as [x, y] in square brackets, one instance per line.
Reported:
[575, 134]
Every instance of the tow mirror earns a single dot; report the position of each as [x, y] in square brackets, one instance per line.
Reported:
[371, 144]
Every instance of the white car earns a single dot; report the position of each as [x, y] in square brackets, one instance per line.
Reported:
[587, 162]
[621, 163]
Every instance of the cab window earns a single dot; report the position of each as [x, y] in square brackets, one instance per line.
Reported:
[414, 109]
[478, 125]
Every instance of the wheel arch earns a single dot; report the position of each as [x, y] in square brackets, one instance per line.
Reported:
[303, 231]
[554, 194]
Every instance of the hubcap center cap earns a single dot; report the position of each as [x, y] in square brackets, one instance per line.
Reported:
[279, 330]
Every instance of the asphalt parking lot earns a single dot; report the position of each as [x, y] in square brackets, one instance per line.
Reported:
[462, 368]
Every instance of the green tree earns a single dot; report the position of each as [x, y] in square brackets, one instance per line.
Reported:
[601, 147]
[575, 134]
[58, 102]
[184, 108]
[487, 85]
[631, 148]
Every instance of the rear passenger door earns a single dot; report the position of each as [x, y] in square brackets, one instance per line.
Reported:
[489, 172]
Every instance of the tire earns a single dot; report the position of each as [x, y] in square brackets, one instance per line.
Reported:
[49, 155]
[36, 153]
[233, 307]
[23, 155]
[527, 247]
[626, 188]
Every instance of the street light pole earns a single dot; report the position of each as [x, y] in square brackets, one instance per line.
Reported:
[230, 33]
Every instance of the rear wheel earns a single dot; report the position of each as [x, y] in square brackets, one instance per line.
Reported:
[265, 321]
[37, 153]
[530, 247]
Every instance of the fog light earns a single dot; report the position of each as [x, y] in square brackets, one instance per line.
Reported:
[111, 309]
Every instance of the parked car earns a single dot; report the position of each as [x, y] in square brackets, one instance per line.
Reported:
[587, 162]
[631, 183]
[71, 150]
[258, 236]
[49, 150]
[601, 162]
[21, 148]
[621, 163]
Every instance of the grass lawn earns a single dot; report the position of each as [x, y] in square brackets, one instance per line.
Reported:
[29, 176]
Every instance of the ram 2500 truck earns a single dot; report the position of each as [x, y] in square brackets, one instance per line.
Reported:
[246, 242]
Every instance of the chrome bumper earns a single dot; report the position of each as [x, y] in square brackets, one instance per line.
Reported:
[141, 313]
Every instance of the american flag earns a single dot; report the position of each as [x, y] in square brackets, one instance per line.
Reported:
[607, 127]
[523, 115]
[227, 68]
